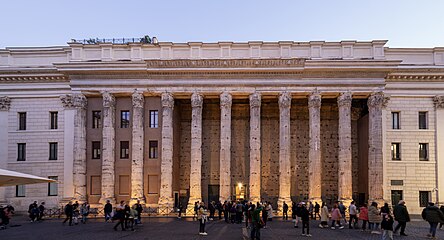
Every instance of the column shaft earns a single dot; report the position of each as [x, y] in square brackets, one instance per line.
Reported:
[5, 104]
[225, 147]
[255, 147]
[314, 155]
[196, 150]
[137, 144]
[108, 147]
[284, 150]
[345, 184]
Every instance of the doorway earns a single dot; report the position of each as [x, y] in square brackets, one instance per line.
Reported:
[213, 193]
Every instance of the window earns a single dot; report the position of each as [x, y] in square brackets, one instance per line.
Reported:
[153, 149]
[423, 120]
[396, 197]
[20, 190]
[22, 121]
[96, 183]
[154, 119]
[54, 119]
[124, 149]
[424, 198]
[396, 151]
[395, 120]
[96, 152]
[397, 182]
[21, 151]
[52, 186]
[423, 152]
[124, 183]
[97, 119]
[124, 119]
[53, 151]
[153, 184]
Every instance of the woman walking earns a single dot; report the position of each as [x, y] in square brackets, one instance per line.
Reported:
[324, 216]
[336, 217]
[374, 218]
[363, 216]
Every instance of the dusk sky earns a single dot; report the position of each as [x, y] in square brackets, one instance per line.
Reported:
[405, 23]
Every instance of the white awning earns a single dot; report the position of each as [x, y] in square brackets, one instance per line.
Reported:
[11, 178]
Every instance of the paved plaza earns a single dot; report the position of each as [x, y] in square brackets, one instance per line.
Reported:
[173, 229]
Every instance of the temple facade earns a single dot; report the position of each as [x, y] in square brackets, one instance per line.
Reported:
[168, 122]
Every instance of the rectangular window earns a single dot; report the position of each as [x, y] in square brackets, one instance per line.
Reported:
[153, 184]
[20, 190]
[124, 149]
[397, 182]
[96, 152]
[396, 151]
[54, 118]
[424, 198]
[422, 120]
[153, 149]
[52, 186]
[53, 151]
[154, 119]
[395, 120]
[97, 119]
[22, 121]
[423, 152]
[124, 184]
[124, 119]
[396, 197]
[21, 151]
[96, 183]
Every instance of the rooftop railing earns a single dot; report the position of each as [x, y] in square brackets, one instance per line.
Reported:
[144, 40]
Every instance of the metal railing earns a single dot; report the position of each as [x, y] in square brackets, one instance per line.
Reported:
[99, 212]
[144, 40]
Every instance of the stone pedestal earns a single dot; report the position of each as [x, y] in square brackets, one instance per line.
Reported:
[345, 191]
[138, 101]
[284, 150]
[255, 147]
[314, 154]
[108, 148]
[166, 166]
[225, 147]
[196, 151]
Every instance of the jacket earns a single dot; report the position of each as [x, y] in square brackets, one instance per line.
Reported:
[363, 213]
[324, 214]
[432, 214]
[373, 215]
[201, 213]
[387, 223]
[304, 214]
[401, 213]
[335, 214]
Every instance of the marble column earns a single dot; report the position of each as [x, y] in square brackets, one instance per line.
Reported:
[225, 147]
[108, 147]
[138, 101]
[255, 147]
[284, 150]
[5, 104]
[375, 103]
[314, 154]
[166, 165]
[345, 191]
[196, 150]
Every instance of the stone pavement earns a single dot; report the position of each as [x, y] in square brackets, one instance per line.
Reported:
[173, 229]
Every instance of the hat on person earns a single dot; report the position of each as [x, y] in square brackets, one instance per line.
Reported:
[401, 202]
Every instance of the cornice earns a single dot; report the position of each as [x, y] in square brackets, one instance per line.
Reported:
[33, 78]
[226, 63]
[415, 77]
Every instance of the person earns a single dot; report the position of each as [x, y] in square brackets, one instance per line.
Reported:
[433, 216]
[132, 217]
[120, 216]
[297, 215]
[196, 207]
[127, 215]
[68, 212]
[212, 210]
[310, 209]
[84, 211]
[363, 216]
[226, 209]
[385, 209]
[293, 211]
[256, 222]
[179, 209]
[75, 212]
[6, 215]
[219, 209]
[401, 216]
[442, 210]
[387, 226]
[324, 216]
[108, 209]
[41, 211]
[239, 210]
[269, 212]
[353, 212]
[336, 217]
[265, 214]
[342, 209]
[285, 211]
[305, 217]
[33, 211]
[139, 209]
[316, 210]
[202, 217]
[374, 218]
[249, 213]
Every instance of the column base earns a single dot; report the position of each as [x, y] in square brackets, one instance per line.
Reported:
[190, 207]
[281, 201]
[315, 200]
[165, 206]
[134, 200]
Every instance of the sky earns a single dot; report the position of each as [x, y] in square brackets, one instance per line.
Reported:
[405, 23]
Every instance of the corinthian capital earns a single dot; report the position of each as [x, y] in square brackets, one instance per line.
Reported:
[167, 100]
[377, 100]
[70, 101]
[284, 100]
[345, 99]
[5, 103]
[438, 101]
[196, 100]
[226, 100]
[255, 100]
[314, 99]
[108, 99]
[138, 99]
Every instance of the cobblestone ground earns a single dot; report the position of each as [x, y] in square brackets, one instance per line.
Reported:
[173, 229]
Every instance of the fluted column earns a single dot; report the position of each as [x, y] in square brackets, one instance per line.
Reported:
[255, 147]
[138, 101]
[375, 103]
[108, 147]
[166, 166]
[5, 104]
[314, 155]
[196, 150]
[284, 150]
[225, 147]
[345, 192]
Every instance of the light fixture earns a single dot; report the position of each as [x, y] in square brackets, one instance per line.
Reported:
[239, 185]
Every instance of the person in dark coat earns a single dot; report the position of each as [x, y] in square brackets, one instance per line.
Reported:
[69, 210]
[317, 207]
[387, 227]
[33, 211]
[433, 215]
[285, 211]
[442, 210]
[402, 216]
[108, 209]
[41, 211]
[139, 209]
[304, 213]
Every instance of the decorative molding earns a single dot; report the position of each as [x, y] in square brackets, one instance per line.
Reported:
[413, 77]
[167, 100]
[71, 101]
[5, 103]
[138, 99]
[196, 100]
[377, 100]
[345, 99]
[226, 100]
[14, 79]
[438, 102]
[225, 63]
[255, 100]
[314, 99]
[108, 99]
[284, 100]
[356, 113]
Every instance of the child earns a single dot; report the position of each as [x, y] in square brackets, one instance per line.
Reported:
[387, 227]
[363, 215]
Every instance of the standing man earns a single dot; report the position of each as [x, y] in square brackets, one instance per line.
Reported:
[342, 211]
[433, 215]
[353, 215]
[139, 209]
[108, 210]
[316, 209]
[402, 216]
[41, 211]
[68, 212]
[305, 217]
[256, 223]
[120, 212]
[285, 211]
[33, 210]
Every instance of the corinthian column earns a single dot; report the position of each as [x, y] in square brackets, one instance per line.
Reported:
[345, 154]
[196, 150]
[108, 145]
[225, 146]
[137, 149]
[284, 150]
[255, 147]
[166, 165]
[375, 103]
[314, 154]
